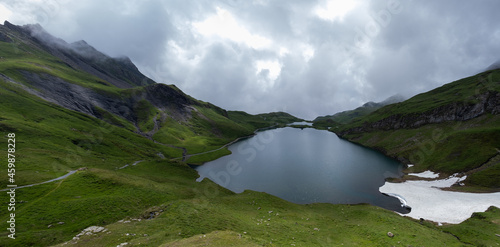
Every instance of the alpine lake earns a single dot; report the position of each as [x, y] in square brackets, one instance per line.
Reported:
[306, 166]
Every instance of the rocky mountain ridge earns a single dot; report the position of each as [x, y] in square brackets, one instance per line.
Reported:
[488, 102]
[120, 72]
[114, 72]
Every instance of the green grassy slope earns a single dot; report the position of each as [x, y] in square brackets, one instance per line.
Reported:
[466, 146]
[347, 116]
[51, 140]
[462, 92]
[480, 229]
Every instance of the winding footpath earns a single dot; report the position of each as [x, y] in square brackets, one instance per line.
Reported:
[65, 176]
[49, 181]
[133, 164]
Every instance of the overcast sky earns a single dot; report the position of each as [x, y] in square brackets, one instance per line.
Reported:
[304, 57]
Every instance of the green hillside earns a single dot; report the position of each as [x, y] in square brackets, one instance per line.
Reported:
[346, 117]
[451, 129]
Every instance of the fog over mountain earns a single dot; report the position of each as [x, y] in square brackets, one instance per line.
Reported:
[495, 65]
[308, 58]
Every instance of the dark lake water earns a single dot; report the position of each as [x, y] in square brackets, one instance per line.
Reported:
[305, 166]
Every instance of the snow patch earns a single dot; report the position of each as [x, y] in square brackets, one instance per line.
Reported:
[426, 174]
[428, 201]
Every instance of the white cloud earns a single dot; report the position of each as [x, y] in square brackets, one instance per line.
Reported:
[5, 13]
[267, 73]
[283, 51]
[333, 10]
[274, 68]
[307, 52]
[186, 56]
[225, 26]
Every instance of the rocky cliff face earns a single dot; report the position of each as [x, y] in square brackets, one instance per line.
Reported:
[86, 100]
[488, 102]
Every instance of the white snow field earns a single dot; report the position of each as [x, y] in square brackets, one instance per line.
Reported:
[429, 202]
[426, 174]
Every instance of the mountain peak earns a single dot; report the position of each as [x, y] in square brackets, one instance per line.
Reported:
[38, 32]
[370, 104]
[34, 27]
[84, 49]
[394, 99]
[80, 43]
[9, 25]
[120, 72]
[124, 59]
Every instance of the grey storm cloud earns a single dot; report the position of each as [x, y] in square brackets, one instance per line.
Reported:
[308, 58]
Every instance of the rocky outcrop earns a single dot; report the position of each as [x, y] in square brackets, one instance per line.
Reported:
[488, 102]
[86, 100]
[5, 38]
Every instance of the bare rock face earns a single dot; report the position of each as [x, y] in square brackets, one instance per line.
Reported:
[5, 38]
[488, 102]
[87, 101]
